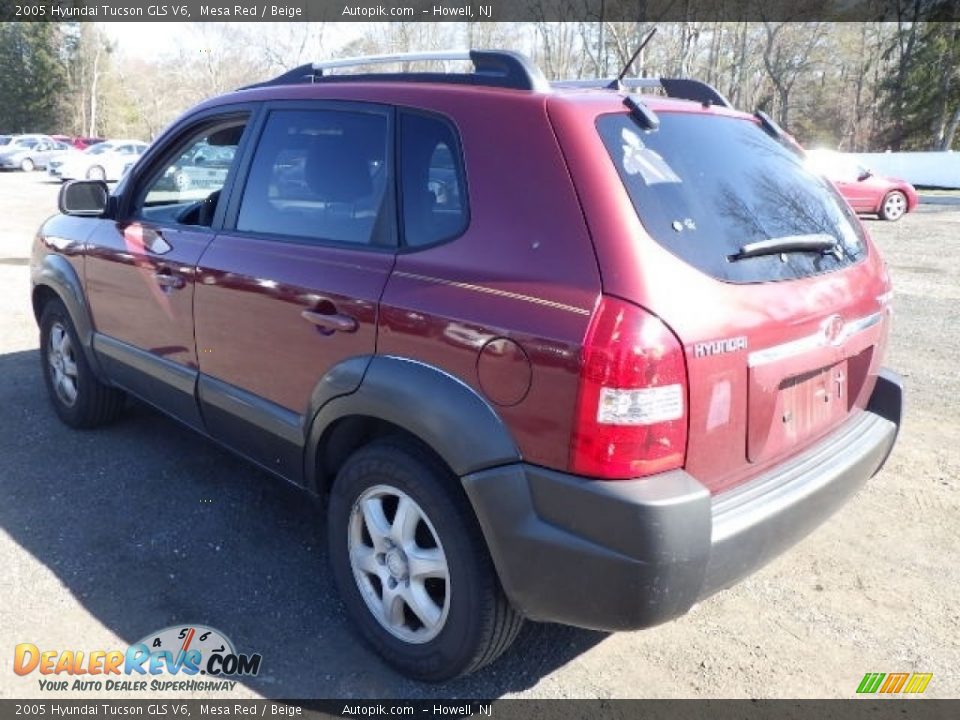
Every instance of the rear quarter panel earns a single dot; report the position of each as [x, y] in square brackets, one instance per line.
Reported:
[504, 307]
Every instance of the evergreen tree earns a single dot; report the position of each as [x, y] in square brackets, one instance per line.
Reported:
[932, 89]
[31, 77]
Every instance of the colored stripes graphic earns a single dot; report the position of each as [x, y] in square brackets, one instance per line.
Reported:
[894, 683]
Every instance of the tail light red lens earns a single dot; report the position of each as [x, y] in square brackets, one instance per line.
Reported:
[631, 411]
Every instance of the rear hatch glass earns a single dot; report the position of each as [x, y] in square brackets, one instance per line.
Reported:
[709, 187]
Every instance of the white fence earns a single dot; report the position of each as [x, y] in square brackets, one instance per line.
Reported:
[931, 169]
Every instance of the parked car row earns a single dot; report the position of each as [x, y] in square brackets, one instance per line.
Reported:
[107, 161]
[29, 152]
[79, 159]
[78, 142]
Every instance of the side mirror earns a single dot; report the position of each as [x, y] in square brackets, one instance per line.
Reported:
[864, 175]
[84, 198]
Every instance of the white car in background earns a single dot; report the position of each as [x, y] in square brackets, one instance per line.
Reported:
[104, 161]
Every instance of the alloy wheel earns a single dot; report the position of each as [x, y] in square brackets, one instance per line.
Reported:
[399, 564]
[63, 364]
[894, 206]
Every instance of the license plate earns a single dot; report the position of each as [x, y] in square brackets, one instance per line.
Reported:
[805, 406]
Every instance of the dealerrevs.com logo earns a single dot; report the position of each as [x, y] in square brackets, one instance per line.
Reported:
[178, 658]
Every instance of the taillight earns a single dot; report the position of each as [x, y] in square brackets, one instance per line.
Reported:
[631, 409]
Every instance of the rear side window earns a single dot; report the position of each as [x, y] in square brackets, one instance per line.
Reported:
[704, 186]
[317, 174]
[432, 181]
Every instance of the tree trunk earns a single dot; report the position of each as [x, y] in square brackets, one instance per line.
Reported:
[947, 142]
[93, 91]
[947, 72]
[736, 85]
[905, 62]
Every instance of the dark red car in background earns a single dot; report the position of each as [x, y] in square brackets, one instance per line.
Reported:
[80, 143]
[867, 192]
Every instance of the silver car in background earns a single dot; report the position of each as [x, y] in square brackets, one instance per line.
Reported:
[30, 152]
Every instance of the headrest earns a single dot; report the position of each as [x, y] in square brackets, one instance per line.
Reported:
[338, 165]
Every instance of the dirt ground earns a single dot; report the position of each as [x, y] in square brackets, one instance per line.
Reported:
[106, 536]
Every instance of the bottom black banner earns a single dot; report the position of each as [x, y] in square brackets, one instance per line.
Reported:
[857, 709]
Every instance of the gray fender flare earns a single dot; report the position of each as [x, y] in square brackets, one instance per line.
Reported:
[444, 412]
[56, 273]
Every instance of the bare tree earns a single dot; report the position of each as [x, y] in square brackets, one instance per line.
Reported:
[846, 85]
[282, 46]
[560, 50]
[948, 120]
[86, 63]
[788, 54]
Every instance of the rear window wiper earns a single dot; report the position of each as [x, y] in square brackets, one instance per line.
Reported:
[817, 242]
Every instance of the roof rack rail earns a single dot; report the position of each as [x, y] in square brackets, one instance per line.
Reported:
[493, 68]
[681, 88]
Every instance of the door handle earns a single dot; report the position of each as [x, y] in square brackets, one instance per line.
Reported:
[168, 280]
[336, 322]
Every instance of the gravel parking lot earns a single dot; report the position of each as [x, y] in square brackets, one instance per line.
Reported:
[107, 536]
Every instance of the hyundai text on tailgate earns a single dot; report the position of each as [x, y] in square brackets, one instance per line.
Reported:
[579, 352]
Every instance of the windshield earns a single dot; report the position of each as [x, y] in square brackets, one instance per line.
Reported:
[705, 186]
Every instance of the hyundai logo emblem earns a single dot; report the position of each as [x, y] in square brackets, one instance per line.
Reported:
[832, 329]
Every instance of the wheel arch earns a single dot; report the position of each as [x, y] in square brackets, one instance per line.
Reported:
[399, 396]
[56, 278]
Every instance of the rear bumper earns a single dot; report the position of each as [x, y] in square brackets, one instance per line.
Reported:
[630, 554]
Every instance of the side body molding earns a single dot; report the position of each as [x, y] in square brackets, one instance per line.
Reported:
[55, 272]
[441, 410]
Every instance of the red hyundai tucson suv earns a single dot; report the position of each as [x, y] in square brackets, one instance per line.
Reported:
[579, 353]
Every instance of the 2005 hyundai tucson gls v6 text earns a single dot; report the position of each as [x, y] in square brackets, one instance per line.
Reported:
[570, 353]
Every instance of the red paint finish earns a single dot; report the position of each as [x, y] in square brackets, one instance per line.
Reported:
[524, 269]
[504, 371]
[251, 295]
[867, 195]
[141, 297]
[724, 405]
[506, 306]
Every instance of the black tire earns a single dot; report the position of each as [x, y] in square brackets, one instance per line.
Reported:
[480, 624]
[894, 206]
[94, 403]
[27, 165]
[97, 173]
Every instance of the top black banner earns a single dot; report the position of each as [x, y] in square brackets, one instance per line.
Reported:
[479, 10]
